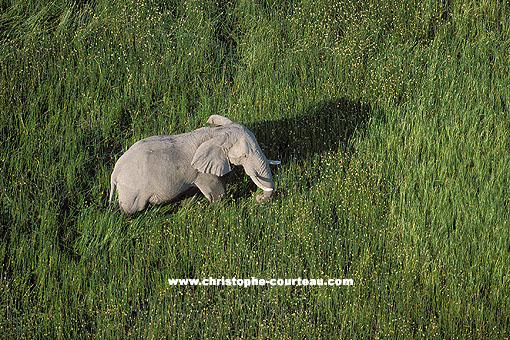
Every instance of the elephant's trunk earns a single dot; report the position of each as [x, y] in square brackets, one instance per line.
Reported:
[260, 173]
[266, 184]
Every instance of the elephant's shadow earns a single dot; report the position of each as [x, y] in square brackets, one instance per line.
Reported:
[325, 126]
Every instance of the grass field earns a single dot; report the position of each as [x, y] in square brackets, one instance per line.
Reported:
[392, 123]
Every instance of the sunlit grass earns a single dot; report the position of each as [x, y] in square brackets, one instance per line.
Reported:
[392, 125]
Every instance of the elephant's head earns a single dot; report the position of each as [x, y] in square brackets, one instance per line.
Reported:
[233, 143]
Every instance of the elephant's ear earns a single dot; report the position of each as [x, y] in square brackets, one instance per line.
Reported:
[210, 157]
[217, 120]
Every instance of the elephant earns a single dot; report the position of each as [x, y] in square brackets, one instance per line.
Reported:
[159, 169]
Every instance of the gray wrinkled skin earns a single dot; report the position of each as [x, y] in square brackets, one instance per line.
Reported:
[158, 169]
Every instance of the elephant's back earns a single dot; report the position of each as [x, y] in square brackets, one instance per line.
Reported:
[163, 149]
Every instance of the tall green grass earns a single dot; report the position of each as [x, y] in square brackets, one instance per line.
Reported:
[391, 120]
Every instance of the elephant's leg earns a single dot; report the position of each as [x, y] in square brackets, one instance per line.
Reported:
[211, 186]
[130, 199]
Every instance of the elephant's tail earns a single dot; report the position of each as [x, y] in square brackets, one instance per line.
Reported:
[112, 189]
